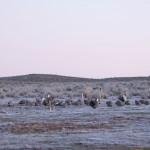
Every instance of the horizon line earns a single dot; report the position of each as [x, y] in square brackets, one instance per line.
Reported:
[73, 76]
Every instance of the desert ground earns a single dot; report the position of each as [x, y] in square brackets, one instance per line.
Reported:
[70, 123]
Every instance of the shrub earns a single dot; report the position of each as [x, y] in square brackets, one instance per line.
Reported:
[96, 94]
[121, 91]
[103, 95]
[5, 90]
[10, 95]
[69, 89]
[1, 96]
[23, 93]
[143, 95]
[70, 95]
[148, 96]
[87, 92]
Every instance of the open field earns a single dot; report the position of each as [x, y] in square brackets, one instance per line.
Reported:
[74, 126]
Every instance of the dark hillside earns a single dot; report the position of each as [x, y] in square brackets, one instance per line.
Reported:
[44, 78]
[58, 78]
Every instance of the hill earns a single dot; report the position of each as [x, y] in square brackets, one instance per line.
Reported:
[59, 78]
[44, 78]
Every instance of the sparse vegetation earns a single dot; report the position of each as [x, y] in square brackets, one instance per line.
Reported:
[41, 96]
[101, 89]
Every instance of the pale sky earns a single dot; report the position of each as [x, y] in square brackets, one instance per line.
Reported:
[83, 38]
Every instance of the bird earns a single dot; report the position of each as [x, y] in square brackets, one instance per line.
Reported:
[109, 103]
[147, 102]
[78, 103]
[138, 103]
[9, 104]
[142, 101]
[48, 101]
[94, 103]
[123, 98]
[119, 103]
[127, 103]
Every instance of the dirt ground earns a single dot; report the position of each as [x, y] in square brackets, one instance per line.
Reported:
[85, 128]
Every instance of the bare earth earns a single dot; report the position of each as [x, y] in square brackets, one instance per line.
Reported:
[83, 127]
[74, 127]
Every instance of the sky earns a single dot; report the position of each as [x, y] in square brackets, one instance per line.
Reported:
[81, 38]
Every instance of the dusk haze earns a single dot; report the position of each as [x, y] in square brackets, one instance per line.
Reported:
[80, 38]
[75, 74]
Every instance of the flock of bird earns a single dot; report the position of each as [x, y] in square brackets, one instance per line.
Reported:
[94, 103]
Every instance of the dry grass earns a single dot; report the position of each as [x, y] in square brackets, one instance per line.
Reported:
[100, 90]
